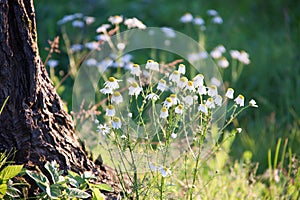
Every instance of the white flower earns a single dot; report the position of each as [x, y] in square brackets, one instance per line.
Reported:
[229, 93]
[116, 123]
[129, 115]
[78, 23]
[112, 83]
[164, 113]
[96, 121]
[244, 57]
[212, 12]
[103, 129]
[190, 86]
[217, 20]
[121, 46]
[91, 62]
[199, 21]
[110, 111]
[169, 32]
[179, 109]
[106, 90]
[152, 96]
[152, 65]
[218, 100]
[203, 108]
[223, 63]
[235, 54]
[52, 63]
[92, 45]
[221, 48]
[202, 90]
[174, 98]
[186, 18]
[181, 69]
[210, 103]
[173, 135]
[188, 100]
[239, 130]
[103, 28]
[240, 100]
[168, 102]
[164, 171]
[182, 82]
[198, 80]
[123, 136]
[162, 86]
[134, 23]
[252, 103]
[175, 76]
[216, 53]
[134, 89]
[152, 167]
[89, 20]
[212, 91]
[135, 70]
[115, 19]
[116, 98]
[76, 47]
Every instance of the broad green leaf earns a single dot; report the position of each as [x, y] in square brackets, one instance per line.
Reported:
[103, 187]
[55, 191]
[97, 195]
[53, 169]
[39, 178]
[77, 193]
[10, 171]
[3, 188]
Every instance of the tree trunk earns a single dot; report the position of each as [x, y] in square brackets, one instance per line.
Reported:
[33, 122]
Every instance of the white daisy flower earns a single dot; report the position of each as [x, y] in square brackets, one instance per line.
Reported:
[173, 135]
[223, 62]
[103, 129]
[174, 98]
[134, 89]
[134, 23]
[217, 20]
[116, 98]
[89, 20]
[116, 123]
[152, 96]
[198, 21]
[164, 113]
[181, 69]
[103, 28]
[190, 86]
[168, 102]
[252, 103]
[210, 103]
[240, 100]
[229, 93]
[186, 18]
[182, 82]
[235, 54]
[198, 80]
[117, 19]
[202, 90]
[221, 48]
[244, 57]
[188, 100]
[106, 90]
[112, 83]
[212, 91]
[152, 65]
[135, 70]
[165, 172]
[179, 109]
[218, 100]
[162, 85]
[216, 53]
[175, 76]
[203, 108]
[110, 111]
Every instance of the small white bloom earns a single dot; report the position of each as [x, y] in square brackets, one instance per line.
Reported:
[134, 89]
[244, 57]
[240, 100]
[174, 98]
[186, 18]
[78, 23]
[175, 76]
[198, 80]
[239, 130]
[223, 63]
[134, 23]
[76, 47]
[173, 135]
[129, 115]
[252, 103]
[212, 91]
[165, 172]
[92, 45]
[212, 12]
[203, 108]
[116, 123]
[235, 54]
[115, 19]
[121, 46]
[91, 62]
[103, 129]
[96, 121]
[164, 113]
[106, 90]
[169, 32]
[152, 65]
[116, 98]
[188, 100]
[52, 63]
[152, 96]
[218, 100]
[217, 20]
[103, 28]
[216, 53]
[202, 90]
[199, 21]
[221, 48]
[182, 82]
[101, 37]
[135, 70]
[210, 103]
[123, 136]
[112, 83]
[181, 69]
[179, 109]
[168, 102]
[190, 86]
[162, 85]
[89, 20]
[229, 93]
[110, 111]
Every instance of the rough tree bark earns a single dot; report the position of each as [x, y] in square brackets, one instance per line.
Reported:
[33, 121]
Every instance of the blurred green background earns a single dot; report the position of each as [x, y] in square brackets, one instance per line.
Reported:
[268, 30]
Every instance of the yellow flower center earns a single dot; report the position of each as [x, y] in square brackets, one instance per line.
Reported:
[169, 100]
[117, 94]
[164, 109]
[136, 65]
[116, 119]
[111, 79]
[190, 83]
[110, 107]
[173, 95]
[134, 84]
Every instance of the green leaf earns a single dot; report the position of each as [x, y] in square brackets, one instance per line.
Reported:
[4, 105]
[3, 188]
[39, 178]
[97, 195]
[13, 192]
[102, 186]
[55, 191]
[53, 169]
[77, 193]
[10, 171]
